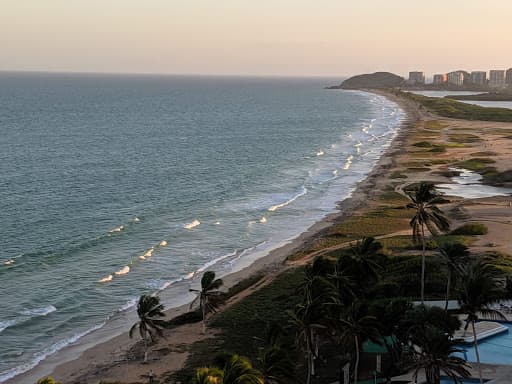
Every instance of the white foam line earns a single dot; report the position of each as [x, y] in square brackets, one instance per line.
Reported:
[38, 357]
[277, 206]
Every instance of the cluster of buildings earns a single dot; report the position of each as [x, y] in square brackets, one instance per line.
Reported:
[497, 78]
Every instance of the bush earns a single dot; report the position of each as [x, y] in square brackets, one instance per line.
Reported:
[470, 229]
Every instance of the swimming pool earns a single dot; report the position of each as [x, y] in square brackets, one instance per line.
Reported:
[494, 350]
[447, 380]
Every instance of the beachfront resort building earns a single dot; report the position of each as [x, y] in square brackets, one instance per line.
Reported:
[508, 76]
[455, 78]
[439, 79]
[496, 78]
[416, 77]
[479, 77]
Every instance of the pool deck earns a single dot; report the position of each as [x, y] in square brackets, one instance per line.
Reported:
[496, 374]
[484, 329]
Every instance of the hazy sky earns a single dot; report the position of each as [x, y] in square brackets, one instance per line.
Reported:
[256, 37]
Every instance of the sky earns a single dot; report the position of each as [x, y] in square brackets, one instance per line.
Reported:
[255, 37]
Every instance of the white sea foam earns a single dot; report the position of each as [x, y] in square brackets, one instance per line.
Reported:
[278, 206]
[163, 243]
[9, 262]
[38, 357]
[136, 220]
[26, 315]
[8, 323]
[215, 261]
[192, 224]
[348, 163]
[129, 304]
[190, 275]
[105, 279]
[123, 271]
[149, 252]
[320, 153]
[117, 229]
[263, 220]
[43, 311]
[217, 223]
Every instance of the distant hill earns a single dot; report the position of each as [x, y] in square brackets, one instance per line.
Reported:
[373, 80]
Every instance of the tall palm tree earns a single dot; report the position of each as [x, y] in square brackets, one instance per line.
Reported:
[427, 215]
[454, 254]
[435, 355]
[356, 327]
[149, 311]
[479, 288]
[208, 296]
[305, 321]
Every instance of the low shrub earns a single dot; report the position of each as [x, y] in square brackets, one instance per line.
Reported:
[470, 229]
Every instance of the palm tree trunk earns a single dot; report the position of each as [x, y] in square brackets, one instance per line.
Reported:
[356, 366]
[448, 283]
[313, 353]
[422, 264]
[475, 342]
[203, 310]
[145, 350]
[308, 353]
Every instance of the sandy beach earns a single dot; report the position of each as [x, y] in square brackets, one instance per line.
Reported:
[119, 359]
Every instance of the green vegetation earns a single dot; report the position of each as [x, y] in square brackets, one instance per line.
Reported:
[374, 80]
[457, 110]
[423, 144]
[427, 216]
[470, 229]
[47, 380]
[150, 324]
[209, 296]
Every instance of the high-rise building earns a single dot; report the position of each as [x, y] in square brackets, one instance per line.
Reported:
[479, 77]
[455, 78]
[508, 76]
[439, 79]
[416, 77]
[497, 78]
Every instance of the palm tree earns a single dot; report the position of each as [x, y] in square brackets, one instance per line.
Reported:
[423, 200]
[304, 320]
[355, 327]
[454, 254]
[239, 370]
[149, 310]
[478, 289]
[276, 366]
[47, 380]
[209, 375]
[208, 296]
[435, 355]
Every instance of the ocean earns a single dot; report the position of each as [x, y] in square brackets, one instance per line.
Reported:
[113, 186]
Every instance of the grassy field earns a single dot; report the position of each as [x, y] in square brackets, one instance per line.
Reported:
[457, 110]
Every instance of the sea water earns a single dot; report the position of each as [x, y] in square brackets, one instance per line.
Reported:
[117, 186]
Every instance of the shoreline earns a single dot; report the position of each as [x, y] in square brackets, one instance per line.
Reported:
[113, 349]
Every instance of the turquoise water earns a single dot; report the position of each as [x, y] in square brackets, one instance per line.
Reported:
[158, 179]
[493, 350]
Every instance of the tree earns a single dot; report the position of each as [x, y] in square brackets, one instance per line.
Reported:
[479, 288]
[209, 297]
[210, 375]
[454, 254]
[435, 355]
[304, 320]
[427, 215]
[355, 327]
[149, 311]
[47, 380]
[276, 366]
